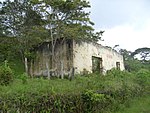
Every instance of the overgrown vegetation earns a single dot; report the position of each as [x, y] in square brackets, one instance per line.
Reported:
[137, 105]
[132, 63]
[89, 93]
[6, 74]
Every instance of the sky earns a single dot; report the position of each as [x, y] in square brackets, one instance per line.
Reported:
[126, 22]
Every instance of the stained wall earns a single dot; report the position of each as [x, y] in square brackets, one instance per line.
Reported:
[73, 54]
[83, 52]
[43, 61]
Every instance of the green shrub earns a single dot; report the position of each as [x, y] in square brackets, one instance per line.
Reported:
[23, 77]
[41, 103]
[143, 77]
[6, 74]
[93, 101]
[122, 87]
[114, 72]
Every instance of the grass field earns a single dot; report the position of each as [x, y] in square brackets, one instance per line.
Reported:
[59, 86]
[138, 105]
[93, 93]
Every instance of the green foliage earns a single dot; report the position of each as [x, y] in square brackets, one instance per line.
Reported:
[23, 22]
[122, 87]
[29, 55]
[91, 96]
[17, 66]
[24, 77]
[143, 77]
[133, 64]
[8, 48]
[93, 101]
[114, 72]
[143, 52]
[88, 93]
[137, 105]
[6, 74]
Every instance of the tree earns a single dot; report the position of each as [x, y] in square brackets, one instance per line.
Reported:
[128, 59]
[126, 54]
[20, 20]
[133, 64]
[144, 53]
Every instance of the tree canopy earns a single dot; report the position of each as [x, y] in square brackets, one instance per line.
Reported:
[132, 63]
[144, 53]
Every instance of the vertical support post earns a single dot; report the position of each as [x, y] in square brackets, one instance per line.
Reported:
[48, 74]
[62, 70]
[26, 64]
[31, 69]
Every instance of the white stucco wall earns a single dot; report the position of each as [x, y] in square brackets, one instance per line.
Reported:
[83, 52]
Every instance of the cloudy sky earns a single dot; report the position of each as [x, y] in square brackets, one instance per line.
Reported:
[126, 22]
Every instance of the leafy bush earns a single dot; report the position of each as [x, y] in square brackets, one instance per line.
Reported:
[41, 103]
[6, 74]
[93, 101]
[24, 77]
[121, 86]
[114, 72]
[143, 77]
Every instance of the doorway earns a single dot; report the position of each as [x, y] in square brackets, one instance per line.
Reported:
[118, 65]
[97, 64]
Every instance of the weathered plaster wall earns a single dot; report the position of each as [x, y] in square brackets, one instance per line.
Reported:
[72, 54]
[83, 52]
[44, 58]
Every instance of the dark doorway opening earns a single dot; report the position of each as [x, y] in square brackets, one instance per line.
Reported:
[118, 65]
[97, 64]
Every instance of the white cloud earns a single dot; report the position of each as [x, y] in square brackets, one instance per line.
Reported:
[126, 22]
[128, 36]
[108, 13]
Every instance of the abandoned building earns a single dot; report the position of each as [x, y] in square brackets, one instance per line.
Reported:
[74, 56]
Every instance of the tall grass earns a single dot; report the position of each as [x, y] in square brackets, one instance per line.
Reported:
[90, 93]
[137, 105]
